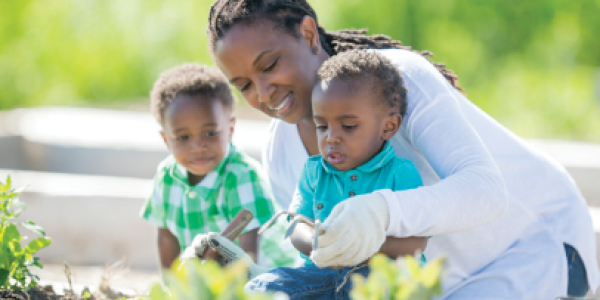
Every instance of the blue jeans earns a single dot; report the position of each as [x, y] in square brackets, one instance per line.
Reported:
[578, 281]
[308, 282]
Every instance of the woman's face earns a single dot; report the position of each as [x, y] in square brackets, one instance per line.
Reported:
[273, 70]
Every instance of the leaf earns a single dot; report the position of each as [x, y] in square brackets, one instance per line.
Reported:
[33, 227]
[11, 233]
[3, 278]
[37, 244]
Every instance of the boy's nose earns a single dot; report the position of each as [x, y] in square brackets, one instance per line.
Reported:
[333, 139]
[198, 145]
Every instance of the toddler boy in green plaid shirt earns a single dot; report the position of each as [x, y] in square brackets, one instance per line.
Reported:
[206, 181]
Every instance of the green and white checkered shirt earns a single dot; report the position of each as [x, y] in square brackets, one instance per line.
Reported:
[235, 184]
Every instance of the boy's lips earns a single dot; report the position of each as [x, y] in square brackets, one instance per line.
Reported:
[201, 161]
[335, 158]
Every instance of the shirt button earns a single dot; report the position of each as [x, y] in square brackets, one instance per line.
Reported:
[192, 194]
[320, 206]
[353, 177]
[351, 194]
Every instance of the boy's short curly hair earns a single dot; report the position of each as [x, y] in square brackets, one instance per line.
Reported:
[189, 79]
[370, 68]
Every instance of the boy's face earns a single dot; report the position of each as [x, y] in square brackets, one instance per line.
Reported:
[351, 126]
[197, 131]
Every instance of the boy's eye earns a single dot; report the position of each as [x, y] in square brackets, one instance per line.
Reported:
[271, 66]
[212, 133]
[349, 127]
[182, 138]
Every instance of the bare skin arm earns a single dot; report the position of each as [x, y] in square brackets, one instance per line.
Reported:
[168, 248]
[249, 243]
[393, 247]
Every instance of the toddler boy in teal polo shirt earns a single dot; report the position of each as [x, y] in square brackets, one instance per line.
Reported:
[358, 105]
[206, 181]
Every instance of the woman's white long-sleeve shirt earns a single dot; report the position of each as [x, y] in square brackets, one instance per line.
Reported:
[485, 188]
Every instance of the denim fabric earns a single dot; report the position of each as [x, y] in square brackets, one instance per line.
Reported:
[578, 281]
[309, 282]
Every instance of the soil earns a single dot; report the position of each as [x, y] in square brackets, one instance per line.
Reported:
[34, 294]
[47, 293]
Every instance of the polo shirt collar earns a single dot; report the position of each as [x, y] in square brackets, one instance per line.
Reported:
[377, 162]
[211, 182]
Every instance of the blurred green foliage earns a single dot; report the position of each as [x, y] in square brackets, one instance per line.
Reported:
[532, 65]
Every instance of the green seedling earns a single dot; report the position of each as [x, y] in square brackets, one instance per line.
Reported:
[207, 281]
[403, 279]
[14, 259]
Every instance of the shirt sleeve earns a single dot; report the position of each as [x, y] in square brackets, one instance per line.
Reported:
[154, 209]
[406, 176]
[471, 190]
[248, 190]
[302, 202]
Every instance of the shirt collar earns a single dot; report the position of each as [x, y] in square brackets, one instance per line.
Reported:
[377, 162]
[211, 181]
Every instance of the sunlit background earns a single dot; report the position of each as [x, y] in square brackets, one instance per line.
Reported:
[532, 65]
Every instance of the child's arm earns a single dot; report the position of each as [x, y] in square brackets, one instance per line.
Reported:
[302, 238]
[395, 247]
[168, 248]
[249, 243]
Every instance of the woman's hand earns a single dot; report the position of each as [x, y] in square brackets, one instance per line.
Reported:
[354, 231]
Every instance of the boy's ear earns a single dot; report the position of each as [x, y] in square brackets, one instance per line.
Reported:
[310, 34]
[231, 127]
[164, 137]
[391, 126]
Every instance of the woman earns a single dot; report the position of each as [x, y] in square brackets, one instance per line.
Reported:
[505, 215]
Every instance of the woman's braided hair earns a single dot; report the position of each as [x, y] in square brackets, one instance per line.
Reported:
[289, 13]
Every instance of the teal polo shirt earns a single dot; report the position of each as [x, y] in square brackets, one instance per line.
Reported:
[322, 187]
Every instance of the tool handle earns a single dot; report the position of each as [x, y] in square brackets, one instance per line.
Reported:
[231, 232]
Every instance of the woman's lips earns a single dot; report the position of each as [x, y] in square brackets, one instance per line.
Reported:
[285, 105]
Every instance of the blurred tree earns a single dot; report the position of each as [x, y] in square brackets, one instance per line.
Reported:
[531, 65]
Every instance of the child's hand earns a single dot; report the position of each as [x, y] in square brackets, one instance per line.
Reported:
[197, 248]
[354, 231]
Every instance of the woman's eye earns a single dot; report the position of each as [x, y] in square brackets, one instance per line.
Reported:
[271, 66]
[321, 127]
[349, 127]
[244, 87]
[182, 138]
[212, 133]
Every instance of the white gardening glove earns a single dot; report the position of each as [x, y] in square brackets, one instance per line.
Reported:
[197, 248]
[354, 231]
[230, 252]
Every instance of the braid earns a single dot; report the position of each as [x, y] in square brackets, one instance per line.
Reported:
[349, 39]
[226, 13]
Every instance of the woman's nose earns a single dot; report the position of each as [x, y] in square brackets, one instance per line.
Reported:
[265, 90]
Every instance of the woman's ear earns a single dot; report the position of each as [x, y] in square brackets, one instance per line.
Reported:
[310, 34]
[391, 126]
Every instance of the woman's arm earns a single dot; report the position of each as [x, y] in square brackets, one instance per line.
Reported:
[471, 190]
[249, 243]
[168, 248]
